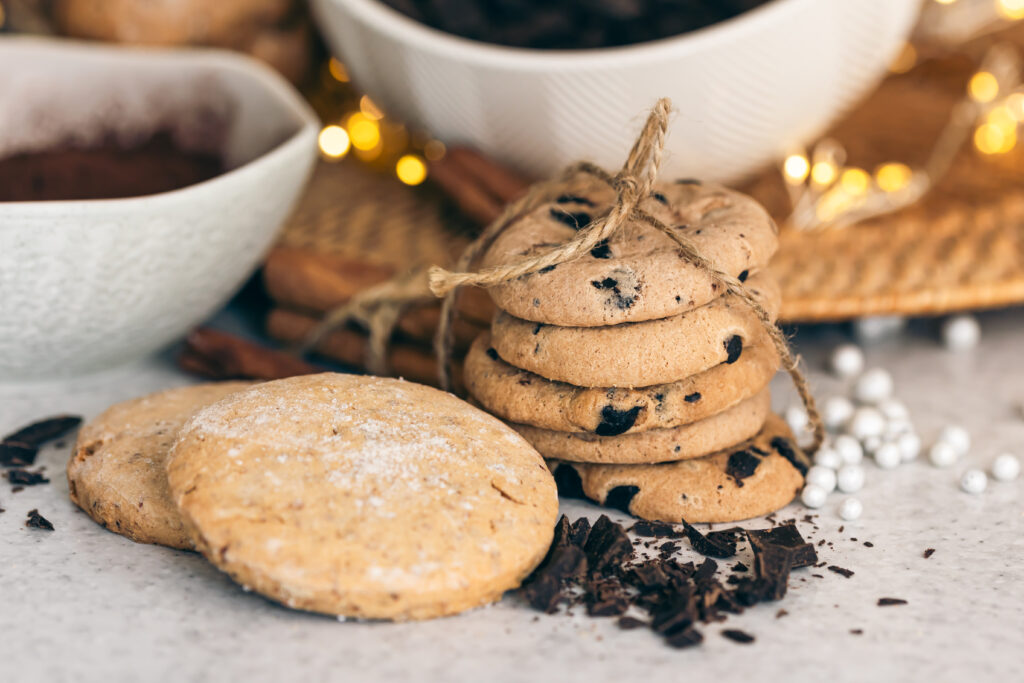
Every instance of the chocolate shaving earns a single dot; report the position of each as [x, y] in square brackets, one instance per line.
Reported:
[656, 530]
[738, 636]
[21, 447]
[718, 546]
[839, 570]
[929, 552]
[885, 602]
[20, 477]
[37, 521]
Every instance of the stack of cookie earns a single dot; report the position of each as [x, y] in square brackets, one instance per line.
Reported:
[630, 369]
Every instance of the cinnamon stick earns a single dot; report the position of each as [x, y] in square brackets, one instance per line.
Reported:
[349, 347]
[311, 281]
[501, 182]
[219, 355]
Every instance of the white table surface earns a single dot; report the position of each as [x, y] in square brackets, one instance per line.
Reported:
[83, 604]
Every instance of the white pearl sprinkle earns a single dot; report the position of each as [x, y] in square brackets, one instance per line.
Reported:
[836, 411]
[849, 449]
[909, 445]
[1006, 467]
[894, 409]
[813, 496]
[850, 478]
[957, 437]
[888, 456]
[872, 443]
[822, 476]
[866, 422]
[895, 428]
[961, 332]
[850, 509]
[828, 457]
[878, 327]
[973, 481]
[797, 419]
[873, 386]
[942, 454]
[847, 360]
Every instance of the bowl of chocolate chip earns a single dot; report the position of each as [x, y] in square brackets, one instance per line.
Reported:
[538, 85]
[139, 189]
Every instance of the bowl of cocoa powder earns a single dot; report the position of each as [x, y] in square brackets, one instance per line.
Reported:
[139, 189]
[539, 84]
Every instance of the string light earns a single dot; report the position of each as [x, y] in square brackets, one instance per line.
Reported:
[338, 70]
[945, 2]
[411, 169]
[983, 87]
[855, 181]
[796, 167]
[434, 150]
[823, 173]
[1011, 9]
[364, 132]
[905, 60]
[893, 177]
[991, 139]
[369, 109]
[334, 142]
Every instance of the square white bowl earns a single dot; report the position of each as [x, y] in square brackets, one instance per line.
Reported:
[85, 285]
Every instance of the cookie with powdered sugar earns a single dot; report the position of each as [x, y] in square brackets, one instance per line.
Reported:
[117, 471]
[363, 496]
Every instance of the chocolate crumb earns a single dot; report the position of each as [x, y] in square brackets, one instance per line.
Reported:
[688, 637]
[781, 613]
[738, 636]
[929, 552]
[869, 544]
[857, 631]
[630, 623]
[20, 477]
[839, 570]
[656, 529]
[37, 521]
[886, 602]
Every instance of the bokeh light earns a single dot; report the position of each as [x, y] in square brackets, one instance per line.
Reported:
[989, 138]
[434, 150]
[983, 87]
[369, 109]
[334, 142]
[364, 132]
[1011, 9]
[905, 60]
[338, 70]
[855, 181]
[411, 169]
[893, 177]
[1015, 105]
[796, 167]
[823, 173]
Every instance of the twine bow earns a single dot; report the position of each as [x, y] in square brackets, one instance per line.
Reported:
[632, 184]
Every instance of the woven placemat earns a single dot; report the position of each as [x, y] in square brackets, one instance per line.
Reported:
[353, 212]
[961, 247]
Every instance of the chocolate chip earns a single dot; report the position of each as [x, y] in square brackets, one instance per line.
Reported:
[688, 181]
[537, 327]
[615, 422]
[743, 276]
[692, 398]
[607, 283]
[574, 199]
[568, 482]
[929, 552]
[660, 197]
[574, 219]
[733, 347]
[491, 353]
[601, 250]
[547, 269]
[785, 448]
[886, 602]
[20, 477]
[839, 570]
[738, 636]
[620, 497]
[37, 521]
[741, 465]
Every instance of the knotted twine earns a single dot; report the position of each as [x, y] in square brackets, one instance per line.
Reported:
[633, 183]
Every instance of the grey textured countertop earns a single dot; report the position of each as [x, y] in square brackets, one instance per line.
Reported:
[83, 604]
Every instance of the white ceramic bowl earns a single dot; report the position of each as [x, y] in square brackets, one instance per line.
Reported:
[88, 284]
[746, 90]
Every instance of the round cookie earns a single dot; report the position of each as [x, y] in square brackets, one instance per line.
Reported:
[748, 480]
[638, 274]
[694, 440]
[636, 354]
[363, 496]
[520, 396]
[117, 471]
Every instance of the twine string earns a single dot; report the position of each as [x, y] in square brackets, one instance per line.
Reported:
[633, 183]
